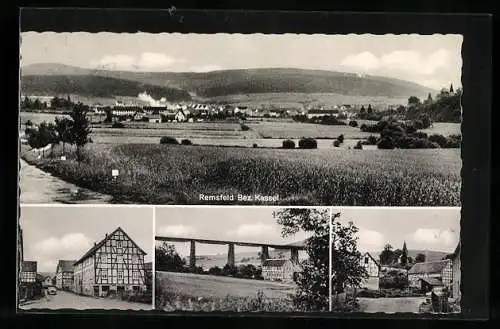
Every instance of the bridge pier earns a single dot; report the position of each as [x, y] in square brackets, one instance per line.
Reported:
[294, 255]
[230, 255]
[264, 254]
[192, 255]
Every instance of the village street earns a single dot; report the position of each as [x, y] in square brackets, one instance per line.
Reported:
[390, 305]
[66, 300]
[38, 186]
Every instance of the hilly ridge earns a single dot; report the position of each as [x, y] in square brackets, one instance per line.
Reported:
[49, 77]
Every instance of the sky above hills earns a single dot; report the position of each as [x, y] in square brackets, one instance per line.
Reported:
[431, 60]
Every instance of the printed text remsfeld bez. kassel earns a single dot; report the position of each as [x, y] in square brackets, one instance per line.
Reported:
[239, 197]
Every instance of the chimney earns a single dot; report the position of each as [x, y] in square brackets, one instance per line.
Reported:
[95, 244]
[106, 235]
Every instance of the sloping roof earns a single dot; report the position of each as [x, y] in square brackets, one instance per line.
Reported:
[28, 266]
[432, 281]
[428, 267]
[66, 265]
[457, 251]
[369, 255]
[102, 242]
[275, 262]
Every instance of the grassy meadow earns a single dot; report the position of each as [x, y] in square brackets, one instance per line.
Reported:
[177, 174]
[193, 292]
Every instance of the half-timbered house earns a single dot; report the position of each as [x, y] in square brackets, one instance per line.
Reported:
[373, 269]
[29, 287]
[280, 270]
[456, 269]
[114, 265]
[65, 275]
[440, 271]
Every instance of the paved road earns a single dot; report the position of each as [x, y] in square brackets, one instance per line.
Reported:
[390, 305]
[38, 186]
[71, 301]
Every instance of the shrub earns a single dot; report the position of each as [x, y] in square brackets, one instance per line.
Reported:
[288, 144]
[341, 138]
[353, 123]
[363, 127]
[255, 145]
[439, 139]
[168, 140]
[186, 142]
[386, 144]
[118, 124]
[308, 143]
[244, 127]
[336, 143]
[358, 146]
[420, 134]
[454, 141]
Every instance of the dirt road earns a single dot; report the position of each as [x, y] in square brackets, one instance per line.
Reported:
[68, 300]
[390, 305]
[38, 186]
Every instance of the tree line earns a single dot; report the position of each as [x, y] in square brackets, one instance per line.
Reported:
[73, 131]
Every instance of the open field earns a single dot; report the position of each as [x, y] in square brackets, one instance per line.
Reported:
[176, 174]
[297, 100]
[390, 305]
[444, 128]
[284, 130]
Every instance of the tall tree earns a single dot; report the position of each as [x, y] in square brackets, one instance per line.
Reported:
[80, 129]
[404, 255]
[369, 110]
[167, 258]
[313, 292]
[387, 255]
[362, 110]
[420, 258]
[429, 98]
[451, 89]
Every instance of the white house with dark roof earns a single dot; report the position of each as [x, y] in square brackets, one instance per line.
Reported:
[280, 269]
[114, 265]
[373, 269]
[64, 274]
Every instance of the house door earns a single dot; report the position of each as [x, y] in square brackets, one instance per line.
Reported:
[96, 290]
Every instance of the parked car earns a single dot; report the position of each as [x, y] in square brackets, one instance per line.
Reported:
[51, 290]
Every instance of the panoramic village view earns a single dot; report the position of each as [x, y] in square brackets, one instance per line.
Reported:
[72, 259]
[410, 256]
[367, 121]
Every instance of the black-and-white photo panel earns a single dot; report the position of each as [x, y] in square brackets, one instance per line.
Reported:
[85, 258]
[170, 118]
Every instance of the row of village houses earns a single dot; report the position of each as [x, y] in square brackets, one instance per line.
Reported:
[421, 276]
[115, 264]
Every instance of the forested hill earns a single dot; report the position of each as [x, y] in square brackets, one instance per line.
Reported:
[216, 83]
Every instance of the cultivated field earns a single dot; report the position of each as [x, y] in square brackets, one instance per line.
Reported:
[176, 174]
[282, 130]
[197, 285]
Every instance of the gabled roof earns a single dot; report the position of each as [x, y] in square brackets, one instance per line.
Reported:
[275, 262]
[369, 255]
[428, 267]
[432, 281]
[66, 265]
[28, 266]
[102, 242]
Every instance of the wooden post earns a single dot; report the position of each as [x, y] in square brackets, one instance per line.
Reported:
[264, 253]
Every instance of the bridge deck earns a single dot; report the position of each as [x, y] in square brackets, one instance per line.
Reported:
[237, 243]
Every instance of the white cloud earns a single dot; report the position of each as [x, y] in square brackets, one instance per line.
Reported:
[205, 68]
[400, 60]
[251, 230]
[146, 61]
[370, 240]
[364, 60]
[71, 244]
[176, 230]
[435, 236]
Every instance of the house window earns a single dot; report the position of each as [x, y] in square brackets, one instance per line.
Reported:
[135, 275]
[366, 260]
[119, 259]
[120, 275]
[104, 275]
[118, 244]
